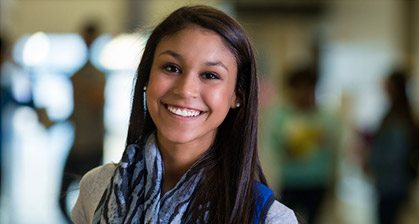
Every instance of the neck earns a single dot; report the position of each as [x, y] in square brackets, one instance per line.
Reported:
[178, 159]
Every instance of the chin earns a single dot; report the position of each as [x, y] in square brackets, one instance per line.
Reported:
[181, 137]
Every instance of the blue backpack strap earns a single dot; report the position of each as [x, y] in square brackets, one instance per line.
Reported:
[264, 199]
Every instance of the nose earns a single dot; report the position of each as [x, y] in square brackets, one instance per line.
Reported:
[187, 85]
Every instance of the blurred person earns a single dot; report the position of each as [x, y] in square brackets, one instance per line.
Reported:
[87, 118]
[9, 69]
[393, 159]
[303, 139]
[191, 152]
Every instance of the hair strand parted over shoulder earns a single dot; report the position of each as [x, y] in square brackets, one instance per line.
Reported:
[232, 164]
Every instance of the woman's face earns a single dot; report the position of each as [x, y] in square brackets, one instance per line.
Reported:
[191, 87]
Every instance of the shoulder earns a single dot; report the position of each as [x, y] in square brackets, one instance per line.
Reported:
[98, 175]
[96, 180]
[279, 213]
[92, 186]
[271, 210]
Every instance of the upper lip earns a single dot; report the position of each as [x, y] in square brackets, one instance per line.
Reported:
[183, 108]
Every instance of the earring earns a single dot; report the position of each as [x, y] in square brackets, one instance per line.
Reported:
[237, 104]
[145, 98]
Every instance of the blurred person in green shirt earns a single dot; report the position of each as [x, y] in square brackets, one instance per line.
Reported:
[303, 139]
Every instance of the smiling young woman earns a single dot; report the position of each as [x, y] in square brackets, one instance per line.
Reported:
[190, 91]
[191, 153]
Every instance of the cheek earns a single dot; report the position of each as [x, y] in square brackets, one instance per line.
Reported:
[156, 86]
[153, 95]
[220, 101]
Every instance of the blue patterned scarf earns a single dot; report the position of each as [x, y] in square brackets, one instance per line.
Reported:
[135, 192]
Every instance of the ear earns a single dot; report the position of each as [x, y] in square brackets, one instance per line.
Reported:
[235, 102]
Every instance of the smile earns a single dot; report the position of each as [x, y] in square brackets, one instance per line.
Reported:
[183, 111]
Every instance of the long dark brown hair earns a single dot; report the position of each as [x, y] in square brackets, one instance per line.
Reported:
[231, 164]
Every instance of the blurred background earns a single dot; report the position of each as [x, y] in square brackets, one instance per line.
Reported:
[327, 102]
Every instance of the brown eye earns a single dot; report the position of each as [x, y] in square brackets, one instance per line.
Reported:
[171, 68]
[210, 75]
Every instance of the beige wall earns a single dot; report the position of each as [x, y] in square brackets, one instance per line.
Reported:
[61, 16]
[19, 17]
[281, 43]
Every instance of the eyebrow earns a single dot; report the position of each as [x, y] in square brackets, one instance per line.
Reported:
[171, 53]
[216, 63]
[179, 57]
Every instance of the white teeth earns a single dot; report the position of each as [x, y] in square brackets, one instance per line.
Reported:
[183, 112]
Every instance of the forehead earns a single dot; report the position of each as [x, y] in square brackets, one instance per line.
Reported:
[195, 37]
[192, 28]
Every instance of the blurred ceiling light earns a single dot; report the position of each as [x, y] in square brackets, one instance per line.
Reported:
[67, 53]
[123, 53]
[61, 53]
[36, 49]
